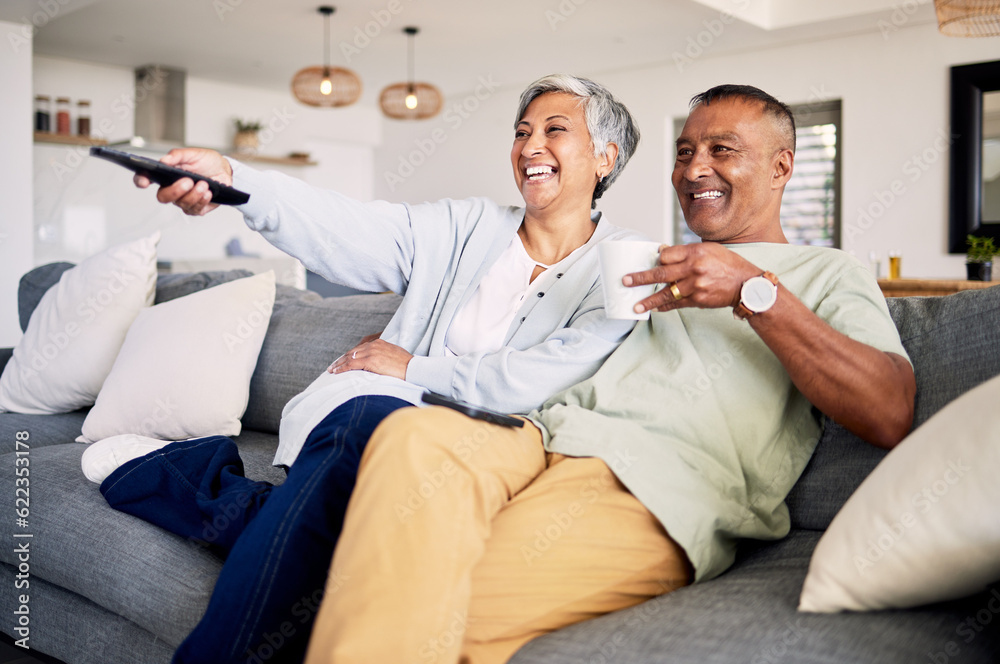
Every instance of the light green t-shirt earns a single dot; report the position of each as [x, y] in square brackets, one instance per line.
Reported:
[699, 419]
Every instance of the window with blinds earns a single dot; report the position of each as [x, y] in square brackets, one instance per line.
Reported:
[810, 208]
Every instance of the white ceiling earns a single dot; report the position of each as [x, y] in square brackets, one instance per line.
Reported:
[263, 43]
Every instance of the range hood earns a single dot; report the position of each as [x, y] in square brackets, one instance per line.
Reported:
[159, 109]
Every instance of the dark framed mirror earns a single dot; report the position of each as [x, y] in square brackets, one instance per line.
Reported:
[974, 182]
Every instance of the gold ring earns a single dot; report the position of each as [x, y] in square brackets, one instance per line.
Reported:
[676, 291]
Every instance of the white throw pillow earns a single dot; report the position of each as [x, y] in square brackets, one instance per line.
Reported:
[76, 330]
[923, 527]
[184, 369]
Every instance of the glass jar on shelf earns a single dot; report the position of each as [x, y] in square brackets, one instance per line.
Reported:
[43, 113]
[62, 115]
[83, 117]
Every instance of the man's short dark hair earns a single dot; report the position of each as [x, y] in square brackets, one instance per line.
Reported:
[779, 111]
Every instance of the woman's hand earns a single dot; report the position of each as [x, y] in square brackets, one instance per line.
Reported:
[374, 355]
[193, 198]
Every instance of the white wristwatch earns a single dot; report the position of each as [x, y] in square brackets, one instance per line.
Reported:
[757, 295]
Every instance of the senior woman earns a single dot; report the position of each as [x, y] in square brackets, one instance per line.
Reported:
[502, 307]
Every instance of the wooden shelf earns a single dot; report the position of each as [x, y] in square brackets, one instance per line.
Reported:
[67, 139]
[929, 287]
[277, 161]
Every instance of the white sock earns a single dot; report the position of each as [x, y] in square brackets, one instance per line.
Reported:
[102, 458]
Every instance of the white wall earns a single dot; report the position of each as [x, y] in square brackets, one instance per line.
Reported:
[15, 175]
[895, 90]
[464, 151]
[86, 204]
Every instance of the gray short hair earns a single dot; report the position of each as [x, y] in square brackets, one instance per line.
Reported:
[781, 114]
[607, 119]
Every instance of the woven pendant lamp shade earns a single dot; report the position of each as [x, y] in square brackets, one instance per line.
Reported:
[326, 86]
[410, 100]
[345, 86]
[968, 18]
[393, 101]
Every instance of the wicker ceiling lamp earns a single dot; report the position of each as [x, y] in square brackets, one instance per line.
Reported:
[968, 18]
[326, 86]
[410, 100]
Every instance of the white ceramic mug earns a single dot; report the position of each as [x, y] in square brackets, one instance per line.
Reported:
[619, 258]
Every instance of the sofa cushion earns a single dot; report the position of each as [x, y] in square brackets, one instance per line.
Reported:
[172, 286]
[135, 569]
[42, 430]
[748, 615]
[952, 342]
[5, 355]
[257, 451]
[838, 466]
[34, 284]
[185, 367]
[75, 629]
[155, 579]
[306, 334]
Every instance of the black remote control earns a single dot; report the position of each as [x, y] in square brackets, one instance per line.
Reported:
[162, 174]
[478, 413]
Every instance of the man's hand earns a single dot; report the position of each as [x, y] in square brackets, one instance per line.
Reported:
[193, 199]
[868, 391]
[707, 275]
[374, 355]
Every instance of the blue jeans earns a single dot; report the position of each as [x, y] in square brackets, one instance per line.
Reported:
[278, 540]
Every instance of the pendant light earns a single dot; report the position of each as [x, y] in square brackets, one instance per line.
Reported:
[410, 100]
[968, 18]
[326, 86]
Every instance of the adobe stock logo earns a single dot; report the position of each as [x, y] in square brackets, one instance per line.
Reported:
[365, 35]
[87, 311]
[914, 169]
[968, 630]
[924, 501]
[565, 9]
[47, 10]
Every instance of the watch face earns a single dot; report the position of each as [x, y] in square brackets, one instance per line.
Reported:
[758, 294]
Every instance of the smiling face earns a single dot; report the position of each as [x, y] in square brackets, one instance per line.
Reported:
[730, 171]
[553, 156]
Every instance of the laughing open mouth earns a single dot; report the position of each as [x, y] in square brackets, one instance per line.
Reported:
[715, 193]
[538, 172]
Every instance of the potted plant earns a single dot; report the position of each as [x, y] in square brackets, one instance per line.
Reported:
[979, 258]
[246, 139]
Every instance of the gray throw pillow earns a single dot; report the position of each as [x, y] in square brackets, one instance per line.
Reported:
[173, 286]
[307, 332]
[33, 286]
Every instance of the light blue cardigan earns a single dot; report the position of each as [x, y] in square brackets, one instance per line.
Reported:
[435, 254]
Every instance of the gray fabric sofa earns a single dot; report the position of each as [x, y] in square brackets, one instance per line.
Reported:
[107, 588]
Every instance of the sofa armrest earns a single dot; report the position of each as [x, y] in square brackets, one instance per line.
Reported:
[5, 355]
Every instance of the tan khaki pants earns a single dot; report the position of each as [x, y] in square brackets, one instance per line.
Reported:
[464, 540]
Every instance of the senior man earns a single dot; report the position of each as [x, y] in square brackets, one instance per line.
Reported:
[465, 539]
